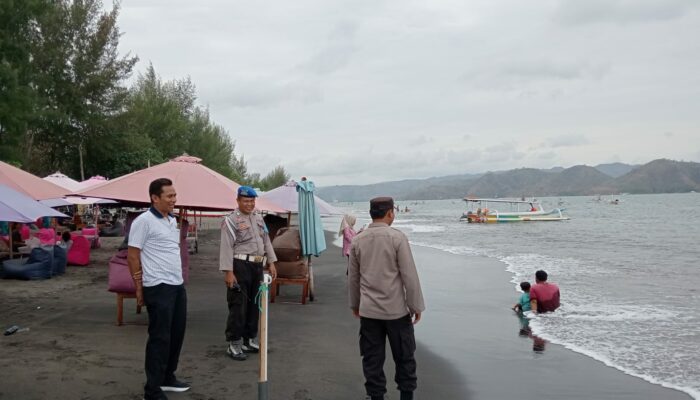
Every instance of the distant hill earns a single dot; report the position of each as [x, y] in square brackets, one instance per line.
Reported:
[615, 169]
[659, 176]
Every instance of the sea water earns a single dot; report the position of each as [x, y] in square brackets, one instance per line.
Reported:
[629, 274]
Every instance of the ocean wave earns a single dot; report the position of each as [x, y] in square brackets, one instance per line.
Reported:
[420, 228]
[538, 329]
[458, 250]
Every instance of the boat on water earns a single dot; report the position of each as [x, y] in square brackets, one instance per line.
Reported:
[481, 211]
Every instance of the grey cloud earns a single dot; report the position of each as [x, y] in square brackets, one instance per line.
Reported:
[578, 12]
[263, 93]
[420, 140]
[668, 134]
[550, 155]
[568, 141]
[336, 52]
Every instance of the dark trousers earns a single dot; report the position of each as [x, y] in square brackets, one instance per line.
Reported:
[373, 334]
[167, 318]
[243, 313]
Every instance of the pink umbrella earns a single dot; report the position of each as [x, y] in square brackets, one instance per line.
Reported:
[63, 181]
[30, 185]
[287, 197]
[198, 187]
[93, 181]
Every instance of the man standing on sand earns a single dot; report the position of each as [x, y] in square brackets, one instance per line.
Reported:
[384, 292]
[544, 296]
[156, 268]
[244, 251]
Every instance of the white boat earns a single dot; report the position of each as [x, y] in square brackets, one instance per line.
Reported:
[517, 211]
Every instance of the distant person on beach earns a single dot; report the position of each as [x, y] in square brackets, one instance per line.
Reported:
[347, 231]
[523, 303]
[244, 251]
[385, 294]
[156, 268]
[66, 241]
[544, 296]
[17, 240]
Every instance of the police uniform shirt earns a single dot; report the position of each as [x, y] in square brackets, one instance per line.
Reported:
[382, 277]
[244, 234]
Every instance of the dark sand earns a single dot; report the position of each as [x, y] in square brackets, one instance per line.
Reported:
[73, 349]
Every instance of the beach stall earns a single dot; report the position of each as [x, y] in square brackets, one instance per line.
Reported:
[18, 207]
[199, 189]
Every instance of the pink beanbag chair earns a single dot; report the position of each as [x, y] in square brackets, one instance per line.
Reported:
[25, 232]
[79, 253]
[120, 280]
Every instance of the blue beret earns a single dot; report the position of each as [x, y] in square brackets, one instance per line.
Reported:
[246, 191]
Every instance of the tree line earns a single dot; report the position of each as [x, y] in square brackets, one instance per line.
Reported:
[65, 104]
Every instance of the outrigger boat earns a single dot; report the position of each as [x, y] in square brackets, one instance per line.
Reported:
[520, 211]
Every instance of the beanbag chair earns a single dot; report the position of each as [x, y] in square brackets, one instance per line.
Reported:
[184, 251]
[37, 266]
[79, 253]
[292, 269]
[59, 261]
[117, 229]
[120, 280]
[287, 244]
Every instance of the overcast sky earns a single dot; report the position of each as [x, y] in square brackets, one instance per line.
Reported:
[351, 92]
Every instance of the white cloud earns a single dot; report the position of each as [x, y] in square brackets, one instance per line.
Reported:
[568, 141]
[367, 90]
[621, 11]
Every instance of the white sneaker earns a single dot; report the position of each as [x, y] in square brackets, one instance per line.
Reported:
[236, 352]
[250, 346]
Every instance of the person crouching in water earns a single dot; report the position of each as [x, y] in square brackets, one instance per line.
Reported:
[523, 303]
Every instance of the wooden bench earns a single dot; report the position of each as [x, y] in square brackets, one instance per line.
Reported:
[275, 287]
[120, 306]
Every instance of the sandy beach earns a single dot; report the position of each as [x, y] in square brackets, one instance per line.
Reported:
[468, 342]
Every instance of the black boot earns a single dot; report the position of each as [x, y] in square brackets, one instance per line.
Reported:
[406, 395]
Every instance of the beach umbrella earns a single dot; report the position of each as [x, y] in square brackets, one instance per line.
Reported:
[18, 207]
[63, 181]
[30, 185]
[66, 182]
[313, 240]
[198, 187]
[92, 181]
[286, 196]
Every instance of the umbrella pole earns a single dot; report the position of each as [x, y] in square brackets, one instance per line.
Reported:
[11, 241]
[262, 381]
[311, 280]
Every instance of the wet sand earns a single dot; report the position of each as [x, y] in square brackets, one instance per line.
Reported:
[73, 349]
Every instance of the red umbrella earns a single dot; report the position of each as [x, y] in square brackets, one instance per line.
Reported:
[198, 187]
[30, 185]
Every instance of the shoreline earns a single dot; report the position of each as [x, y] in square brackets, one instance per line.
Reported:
[493, 273]
[468, 343]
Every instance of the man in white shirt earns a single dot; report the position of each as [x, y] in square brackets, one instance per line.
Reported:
[156, 267]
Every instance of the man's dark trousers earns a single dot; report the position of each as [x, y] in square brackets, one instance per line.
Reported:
[373, 334]
[243, 314]
[167, 318]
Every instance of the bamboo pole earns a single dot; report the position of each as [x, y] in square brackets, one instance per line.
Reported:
[262, 381]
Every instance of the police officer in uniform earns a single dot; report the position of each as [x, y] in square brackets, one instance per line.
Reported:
[244, 252]
[385, 294]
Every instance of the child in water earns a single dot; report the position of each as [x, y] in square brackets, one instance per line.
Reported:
[524, 303]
